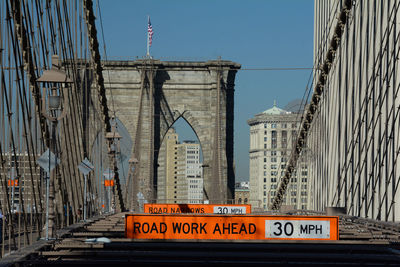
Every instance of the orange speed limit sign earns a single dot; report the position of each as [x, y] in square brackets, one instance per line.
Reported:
[246, 227]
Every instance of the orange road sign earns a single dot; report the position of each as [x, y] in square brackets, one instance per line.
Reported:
[197, 208]
[108, 182]
[13, 182]
[231, 227]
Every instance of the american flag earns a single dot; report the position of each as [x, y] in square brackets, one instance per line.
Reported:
[150, 32]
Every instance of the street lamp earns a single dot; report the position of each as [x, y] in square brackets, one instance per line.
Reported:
[54, 111]
[132, 166]
[113, 139]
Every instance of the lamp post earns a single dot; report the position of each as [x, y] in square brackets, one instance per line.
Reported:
[132, 166]
[12, 183]
[108, 183]
[54, 111]
[113, 139]
[85, 168]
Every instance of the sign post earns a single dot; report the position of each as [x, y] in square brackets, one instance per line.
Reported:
[85, 168]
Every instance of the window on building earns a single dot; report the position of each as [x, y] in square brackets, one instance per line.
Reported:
[274, 173]
[284, 139]
[245, 200]
[293, 180]
[265, 166]
[283, 166]
[265, 186]
[273, 166]
[273, 160]
[273, 139]
[304, 180]
[273, 180]
[265, 145]
[284, 125]
[273, 125]
[294, 138]
[273, 153]
[265, 125]
[265, 193]
[265, 139]
[265, 180]
[240, 200]
[265, 159]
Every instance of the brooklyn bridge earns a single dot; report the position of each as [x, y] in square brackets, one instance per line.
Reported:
[81, 137]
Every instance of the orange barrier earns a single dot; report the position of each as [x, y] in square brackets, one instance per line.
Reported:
[197, 208]
[231, 227]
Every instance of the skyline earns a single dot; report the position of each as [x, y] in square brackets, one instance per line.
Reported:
[260, 34]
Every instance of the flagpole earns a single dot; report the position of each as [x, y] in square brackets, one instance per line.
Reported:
[148, 48]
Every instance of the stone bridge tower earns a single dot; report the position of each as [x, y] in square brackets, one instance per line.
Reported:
[150, 95]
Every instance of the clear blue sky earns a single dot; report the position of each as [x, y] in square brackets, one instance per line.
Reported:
[254, 33]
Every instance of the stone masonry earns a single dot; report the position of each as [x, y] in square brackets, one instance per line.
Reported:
[148, 96]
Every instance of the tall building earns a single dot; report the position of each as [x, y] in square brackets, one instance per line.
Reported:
[180, 178]
[272, 135]
[193, 169]
[355, 133]
[167, 168]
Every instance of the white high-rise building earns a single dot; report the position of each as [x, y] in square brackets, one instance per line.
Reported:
[193, 169]
[272, 134]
